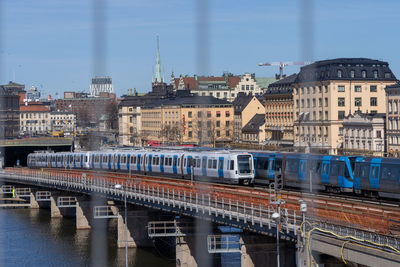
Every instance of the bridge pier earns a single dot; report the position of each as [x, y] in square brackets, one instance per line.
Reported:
[121, 234]
[54, 210]
[33, 202]
[82, 222]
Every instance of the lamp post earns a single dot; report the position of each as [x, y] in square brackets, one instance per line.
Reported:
[118, 186]
[276, 216]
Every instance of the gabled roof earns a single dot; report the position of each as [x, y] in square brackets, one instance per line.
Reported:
[253, 126]
[241, 101]
[263, 82]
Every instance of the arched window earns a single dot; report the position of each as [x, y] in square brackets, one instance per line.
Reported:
[364, 74]
[375, 74]
[339, 73]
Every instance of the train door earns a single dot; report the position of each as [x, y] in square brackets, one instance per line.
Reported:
[221, 167]
[162, 163]
[149, 159]
[118, 161]
[189, 165]
[303, 170]
[374, 173]
[325, 170]
[138, 162]
[204, 166]
[271, 168]
[174, 164]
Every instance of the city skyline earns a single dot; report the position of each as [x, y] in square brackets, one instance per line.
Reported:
[49, 45]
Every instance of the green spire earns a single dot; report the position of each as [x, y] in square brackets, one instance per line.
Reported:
[158, 77]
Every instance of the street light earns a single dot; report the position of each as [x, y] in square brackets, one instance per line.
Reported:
[276, 216]
[119, 187]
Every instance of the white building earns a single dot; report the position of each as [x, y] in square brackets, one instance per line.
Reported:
[101, 85]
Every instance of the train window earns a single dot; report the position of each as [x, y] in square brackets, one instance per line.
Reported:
[214, 164]
[364, 171]
[204, 163]
[158, 161]
[198, 163]
[335, 169]
[390, 172]
[134, 159]
[71, 159]
[278, 164]
[232, 164]
[292, 165]
[262, 163]
[175, 161]
[154, 160]
[221, 164]
[184, 162]
[375, 172]
[209, 163]
[271, 164]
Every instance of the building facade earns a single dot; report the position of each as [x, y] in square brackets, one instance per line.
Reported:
[364, 133]
[101, 85]
[325, 92]
[254, 130]
[200, 120]
[279, 112]
[392, 120]
[9, 113]
[129, 124]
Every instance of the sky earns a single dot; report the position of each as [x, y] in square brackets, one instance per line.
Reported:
[56, 46]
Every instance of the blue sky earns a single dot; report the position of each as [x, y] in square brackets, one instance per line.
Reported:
[49, 43]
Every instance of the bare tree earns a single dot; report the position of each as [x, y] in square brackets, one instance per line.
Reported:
[213, 130]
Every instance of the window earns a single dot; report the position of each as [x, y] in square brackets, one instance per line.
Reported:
[218, 133]
[372, 88]
[357, 89]
[387, 75]
[308, 90]
[308, 103]
[189, 114]
[302, 103]
[228, 133]
[326, 101]
[390, 106]
[320, 102]
[218, 94]
[218, 124]
[375, 74]
[326, 115]
[364, 74]
[341, 102]
[189, 124]
[251, 87]
[340, 131]
[227, 123]
[242, 87]
[352, 73]
[341, 88]
[373, 101]
[190, 133]
[218, 114]
[208, 124]
[340, 115]
[208, 114]
[199, 124]
[320, 115]
[313, 103]
[378, 134]
[357, 102]
[339, 73]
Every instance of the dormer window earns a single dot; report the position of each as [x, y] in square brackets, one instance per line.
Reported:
[352, 73]
[387, 75]
[375, 74]
[364, 74]
[339, 73]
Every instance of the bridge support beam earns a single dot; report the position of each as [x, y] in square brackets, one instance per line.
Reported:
[121, 234]
[184, 256]
[82, 222]
[54, 210]
[33, 202]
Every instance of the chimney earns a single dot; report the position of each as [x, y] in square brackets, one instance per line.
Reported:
[195, 77]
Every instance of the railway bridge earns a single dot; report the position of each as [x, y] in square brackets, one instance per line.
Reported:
[244, 221]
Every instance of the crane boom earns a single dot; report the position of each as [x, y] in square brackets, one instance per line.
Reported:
[283, 64]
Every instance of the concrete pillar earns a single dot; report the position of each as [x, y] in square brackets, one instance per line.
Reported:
[121, 234]
[184, 256]
[55, 211]
[81, 220]
[33, 202]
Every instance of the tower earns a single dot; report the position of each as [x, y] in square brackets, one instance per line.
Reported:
[157, 76]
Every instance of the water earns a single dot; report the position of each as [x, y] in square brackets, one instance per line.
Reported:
[31, 238]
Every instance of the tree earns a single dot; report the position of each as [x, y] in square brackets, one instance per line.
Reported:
[111, 113]
[212, 130]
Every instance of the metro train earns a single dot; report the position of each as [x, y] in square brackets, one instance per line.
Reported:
[223, 166]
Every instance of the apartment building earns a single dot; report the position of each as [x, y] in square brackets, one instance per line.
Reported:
[279, 112]
[326, 91]
[392, 120]
[200, 120]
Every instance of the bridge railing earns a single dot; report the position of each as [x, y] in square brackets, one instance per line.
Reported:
[161, 196]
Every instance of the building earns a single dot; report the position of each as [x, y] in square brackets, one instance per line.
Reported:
[63, 122]
[254, 130]
[245, 107]
[88, 110]
[226, 87]
[15, 88]
[34, 119]
[101, 85]
[364, 133]
[392, 119]
[279, 112]
[325, 92]
[32, 95]
[129, 120]
[9, 113]
[200, 120]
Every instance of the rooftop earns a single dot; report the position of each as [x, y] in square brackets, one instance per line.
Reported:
[188, 100]
[253, 126]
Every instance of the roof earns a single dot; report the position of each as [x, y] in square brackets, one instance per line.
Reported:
[241, 101]
[37, 106]
[264, 82]
[349, 68]
[253, 126]
[393, 86]
[187, 100]
[282, 86]
[192, 83]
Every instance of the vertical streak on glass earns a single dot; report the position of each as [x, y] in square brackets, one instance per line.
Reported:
[307, 30]
[99, 227]
[1, 137]
[202, 37]
[202, 227]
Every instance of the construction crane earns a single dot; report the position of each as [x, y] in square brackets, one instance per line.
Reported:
[282, 65]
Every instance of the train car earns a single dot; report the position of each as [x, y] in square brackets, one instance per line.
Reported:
[377, 177]
[266, 165]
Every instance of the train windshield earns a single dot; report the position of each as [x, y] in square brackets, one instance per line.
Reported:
[244, 163]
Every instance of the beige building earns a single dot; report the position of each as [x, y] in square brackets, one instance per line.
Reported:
[200, 120]
[393, 120]
[279, 112]
[327, 91]
[63, 122]
[129, 123]
[364, 133]
[245, 107]
[254, 130]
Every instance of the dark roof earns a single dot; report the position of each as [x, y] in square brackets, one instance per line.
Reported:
[188, 100]
[283, 86]
[330, 69]
[253, 126]
[393, 86]
[241, 101]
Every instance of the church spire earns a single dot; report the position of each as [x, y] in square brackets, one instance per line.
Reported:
[158, 77]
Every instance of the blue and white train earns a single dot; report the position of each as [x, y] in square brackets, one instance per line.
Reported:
[231, 167]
